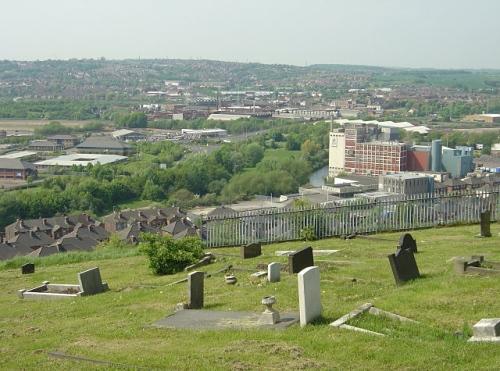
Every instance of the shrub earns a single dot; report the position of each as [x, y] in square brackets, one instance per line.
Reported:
[308, 234]
[168, 256]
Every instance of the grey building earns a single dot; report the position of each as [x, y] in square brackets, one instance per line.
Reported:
[406, 183]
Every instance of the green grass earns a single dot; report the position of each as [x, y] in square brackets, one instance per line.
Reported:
[114, 326]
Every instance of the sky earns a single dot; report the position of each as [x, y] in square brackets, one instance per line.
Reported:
[395, 33]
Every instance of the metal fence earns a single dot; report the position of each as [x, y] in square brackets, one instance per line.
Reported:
[358, 216]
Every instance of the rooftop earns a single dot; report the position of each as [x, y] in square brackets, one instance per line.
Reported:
[103, 142]
[81, 159]
[18, 154]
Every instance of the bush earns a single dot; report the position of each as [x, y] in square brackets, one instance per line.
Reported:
[168, 256]
[308, 234]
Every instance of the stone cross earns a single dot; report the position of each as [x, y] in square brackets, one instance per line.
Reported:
[195, 290]
[309, 295]
[274, 272]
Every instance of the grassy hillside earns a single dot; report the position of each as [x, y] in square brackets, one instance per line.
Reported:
[114, 326]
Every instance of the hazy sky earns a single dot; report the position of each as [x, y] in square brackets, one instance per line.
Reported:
[410, 33]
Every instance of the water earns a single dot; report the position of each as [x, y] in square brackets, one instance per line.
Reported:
[317, 179]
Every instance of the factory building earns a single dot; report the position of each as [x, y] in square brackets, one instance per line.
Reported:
[370, 150]
[406, 183]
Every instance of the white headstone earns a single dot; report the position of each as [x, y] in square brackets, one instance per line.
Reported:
[309, 295]
[273, 272]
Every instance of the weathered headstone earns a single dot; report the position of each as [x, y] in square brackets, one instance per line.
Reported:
[309, 295]
[28, 268]
[485, 223]
[403, 265]
[195, 290]
[300, 259]
[274, 272]
[487, 329]
[91, 283]
[251, 250]
[407, 242]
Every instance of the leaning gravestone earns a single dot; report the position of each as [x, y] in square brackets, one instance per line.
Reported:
[403, 265]
[309, 295]
[91, 283]
[407, 242]
[300, 259]
[195, 290]
[485, 223]
[251, 250]
[28, 268]
[274, 272]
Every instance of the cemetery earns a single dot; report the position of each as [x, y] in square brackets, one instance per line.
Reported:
[331, 303]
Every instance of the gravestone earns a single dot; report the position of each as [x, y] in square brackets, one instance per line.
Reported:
[485, 223]
[403, 265]
[309, 295]
[274, 272]
[195, 290]
[28, 268]
[487, 329]
[91, 283]
[407, 242]
[300, 259]
[251, 250]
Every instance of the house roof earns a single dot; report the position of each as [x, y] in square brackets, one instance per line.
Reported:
[92, 232]
[175, 227]
[43, 143]
[46, 251]
[135, 229]
[103, 142]
[62, 137]
[222, 211]
[8, 251]
[31, 239]
[48, 223]
[75, 244]
[15, 164]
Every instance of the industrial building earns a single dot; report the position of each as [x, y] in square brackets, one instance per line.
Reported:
[203, 133]
[12, 168]
[79, 159]
[488, 118]
[104, 144]
[373, 150]
[354, 150]
[407, 183]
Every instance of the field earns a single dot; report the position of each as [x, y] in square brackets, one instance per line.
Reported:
[113, 326]
[31, 125]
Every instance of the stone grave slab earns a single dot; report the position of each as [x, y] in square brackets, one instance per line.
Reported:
[487, 329]
[485, 218]
[476, 265]
[91, 283]
[251, 250]
[316, 252]
[300, 259]
[403, 265]
[309, 295]
[195, 290]
[210, 320]
[407, 242]
[28, 268]
[274, 272]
